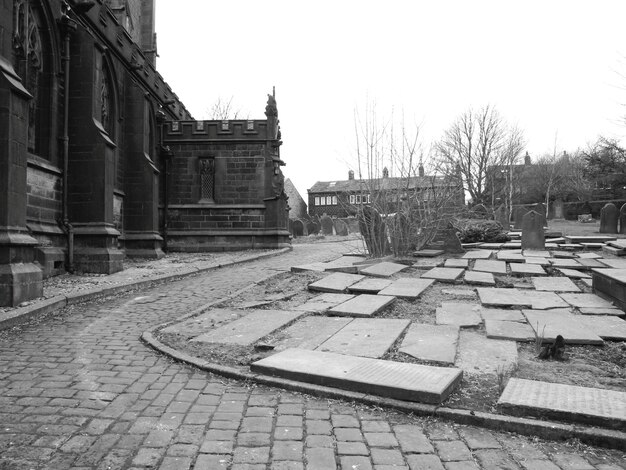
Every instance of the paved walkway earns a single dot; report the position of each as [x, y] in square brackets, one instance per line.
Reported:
[79, 390]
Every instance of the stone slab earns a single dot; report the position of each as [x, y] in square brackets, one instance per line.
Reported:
[551, 323]
[491, 246]
[501, 297]
[436, 343]
[369, 286]
[384, 269]
[614, 263]
[478, 254]
[490, 266]
[586, 301]
[510, 257]
[399, 380]
[605, 326]
[620, 243]
[539, 261]
[566, 263]
[366, 337]
[502, 314]
[572, 403]
[207, 321]
[591, 263]
[554, 284]
[573, 273]
[428, 253]
[460, 292]
[428, 263]
[536, 253]
[592, 246]
[527, 269]
[250, 328]
[364, 305]
[336, 282]
[444, 274]
[479, 278]
[316, 267]
[589, 255]
[310, 332]
[512, 245]
[480, 355]
[562, 254]
[456, 263]
[602, 311]
[618, 275]
[408, 288]
[509, 330]
[589, 238]
[461, 314]
[323, 302]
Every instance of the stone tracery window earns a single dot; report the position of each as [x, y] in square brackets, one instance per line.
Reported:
[207, 179]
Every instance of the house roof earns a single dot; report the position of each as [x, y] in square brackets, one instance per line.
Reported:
[378, 184]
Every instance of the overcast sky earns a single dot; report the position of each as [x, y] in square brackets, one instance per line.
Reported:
[554, 68]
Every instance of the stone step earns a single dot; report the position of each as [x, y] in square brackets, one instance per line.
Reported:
[399, 380]
[571, 403]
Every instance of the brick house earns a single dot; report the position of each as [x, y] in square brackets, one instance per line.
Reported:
[99, 159]
[342, 198]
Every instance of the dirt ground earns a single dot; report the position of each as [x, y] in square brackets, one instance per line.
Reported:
[591, 366]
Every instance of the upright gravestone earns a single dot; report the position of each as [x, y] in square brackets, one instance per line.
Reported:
[341, 228]
[622, 219]
[586, 209]
[297, 228]
[532, 231]
[502, 217]
[558, 209]
[608, 218]
[451, 242]
[312, 227]
[518, 216]
[327, 225]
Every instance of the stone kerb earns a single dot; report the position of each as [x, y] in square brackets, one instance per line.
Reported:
[608, 218]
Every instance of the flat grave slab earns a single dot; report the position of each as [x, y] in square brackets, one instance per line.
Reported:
[461, 314]
[619, 243]
[399, 380]
[384, 269]
[588, 255]
[456, 263]
[491, 246]
[589, 238]
[592, 246]
[509, 330]
[490, 266]
[511, 257]
[555, 240]
[543, 300]
[527, 269]
[310, 332]
[364, 305]
[366, 337]
[571, 246]
[539, 261]
[408, 288]
[602, 311]
[316, 267]
[369, 286]
[501, 297]
[586, 301]
[336, 282]
[479, 278]
[551, 246]
[323, 302]
[428, 253]
[195, 325]
[554, 284]
[605, 326]
[614, 263]
[566, 263]
[512, 245]
[478, 254]
[479, 355]
[345, 264]
[570, 402]
[536, 253]
[551, 323]
[562, 254]
[502, 314]
[460, 292]
[573, 273]
[250, 328]
[444, 274]
[591, 263]
[618, 275]
[435, 343]
[428, 263]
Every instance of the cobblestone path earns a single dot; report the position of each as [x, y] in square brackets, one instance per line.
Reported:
[79, 390]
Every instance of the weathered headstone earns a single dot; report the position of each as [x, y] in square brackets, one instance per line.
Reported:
[297, 228]
[608, 218]
[532, 231]
[518, 215]
[502, 217]
[327, 225]
[341, 228]
[558, 209]
[622, 219]
[312, 227]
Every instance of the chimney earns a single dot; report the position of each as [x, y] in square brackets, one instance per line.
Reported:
[350, 174]
[420, 169]
[385, 173]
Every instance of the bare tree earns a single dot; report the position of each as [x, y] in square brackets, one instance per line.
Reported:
[475, 142]
[223, 109]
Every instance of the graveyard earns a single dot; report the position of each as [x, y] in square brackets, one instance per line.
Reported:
[459, 330]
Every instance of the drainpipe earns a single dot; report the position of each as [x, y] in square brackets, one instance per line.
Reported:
[68, 27]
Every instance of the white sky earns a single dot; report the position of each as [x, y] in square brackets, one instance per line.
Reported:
[553, 67]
